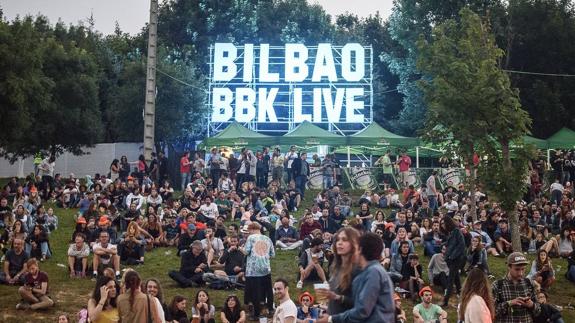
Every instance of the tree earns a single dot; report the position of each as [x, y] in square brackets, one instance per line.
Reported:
[470, 99]
[48, 92]
[409, 20]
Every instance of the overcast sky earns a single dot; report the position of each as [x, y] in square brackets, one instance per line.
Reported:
[133, 14]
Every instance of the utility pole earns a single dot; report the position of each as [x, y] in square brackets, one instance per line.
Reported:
[150, 106]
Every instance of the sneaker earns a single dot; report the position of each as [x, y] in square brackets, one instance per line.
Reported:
[94, 276]
[325, 283]
[299, 285]
[118, 277]
[22, 306]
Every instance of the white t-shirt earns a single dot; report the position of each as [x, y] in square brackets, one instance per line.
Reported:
[110, 246]
[209, 211]
[285, 310]
[451, 206]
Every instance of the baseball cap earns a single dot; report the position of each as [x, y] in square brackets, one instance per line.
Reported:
[517, 258]
[477, 222]
[81, 220]
[191, 226]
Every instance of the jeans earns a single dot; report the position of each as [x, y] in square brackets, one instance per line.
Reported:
[430, 248]
[432, 202]
[185, 180]
[300, 182]
[327, 181]
[570, 275]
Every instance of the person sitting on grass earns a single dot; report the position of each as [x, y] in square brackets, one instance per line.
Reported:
[549, 312]
[311, 262]
[415, 272]
[38, 243]
[131, 247]
[78, 253]
[306, 312]
[192, 267]
[203, 308]
[400, 316]
[177, 310]
[426, 311]
[35, 291]
[503, 238]
[213, 246]
[542, 270]
[233, 261]
[15, 264]
[232, 312]
[105, 254]
[286, 235]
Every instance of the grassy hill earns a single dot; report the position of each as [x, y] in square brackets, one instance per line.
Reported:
[72, 294]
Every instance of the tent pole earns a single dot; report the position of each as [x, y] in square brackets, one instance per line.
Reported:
[417, 157]
[348, 156]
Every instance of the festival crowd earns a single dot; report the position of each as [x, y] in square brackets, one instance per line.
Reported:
[235, 213]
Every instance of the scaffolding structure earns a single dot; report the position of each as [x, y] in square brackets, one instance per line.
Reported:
[284, 101]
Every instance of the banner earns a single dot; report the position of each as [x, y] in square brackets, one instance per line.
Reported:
[450, 177]
[362, 178]
[315, 179]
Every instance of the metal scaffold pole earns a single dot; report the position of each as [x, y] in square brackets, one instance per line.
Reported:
[150, 105]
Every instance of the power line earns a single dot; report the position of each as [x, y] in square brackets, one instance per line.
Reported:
[541, 74]
[179, 81]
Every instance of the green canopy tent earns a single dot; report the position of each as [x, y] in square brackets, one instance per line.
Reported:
[308, 134]
[562, 139]
[377, 136]
[236, 136]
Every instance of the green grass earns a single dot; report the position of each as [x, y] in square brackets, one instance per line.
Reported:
[72, 294]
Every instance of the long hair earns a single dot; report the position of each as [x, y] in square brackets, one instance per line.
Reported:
[196, 301]
[103, 280]
[342, 267]
[476, 284]
[539, 263]
[160, 295]
[132, 282]
[232, 315]
[173, 308]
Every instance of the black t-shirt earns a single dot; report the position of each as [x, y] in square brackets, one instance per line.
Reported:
[16, 261]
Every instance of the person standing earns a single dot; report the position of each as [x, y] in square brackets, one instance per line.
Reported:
[432, 191]
[214, 162]
[286, 311]
[300, 172]
[258, 289]
[267, 160]
[454, 256]
[277, 166]
[404, 162]
[476, 300]
[162, 167]
[372, 289]
[386, 168]
[47, 172]
[328, 167]
[154, 169]
[514, 295]
[185, 169]
[136, 306]
[290, 157]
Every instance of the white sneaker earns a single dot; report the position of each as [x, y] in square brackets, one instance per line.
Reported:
[299, 285]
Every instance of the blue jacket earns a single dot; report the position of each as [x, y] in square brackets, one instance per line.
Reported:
[372, 292]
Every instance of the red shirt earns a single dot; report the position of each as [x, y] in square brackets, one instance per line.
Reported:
[404, 163]
[184, 165]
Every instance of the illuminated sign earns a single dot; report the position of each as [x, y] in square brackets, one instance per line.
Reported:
[273, 88]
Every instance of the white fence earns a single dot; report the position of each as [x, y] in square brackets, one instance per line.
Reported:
[97, 160]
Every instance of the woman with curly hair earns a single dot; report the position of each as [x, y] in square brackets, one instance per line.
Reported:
[477, 304]
[102, 305]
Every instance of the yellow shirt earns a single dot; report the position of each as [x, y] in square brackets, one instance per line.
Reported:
[108, 316]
